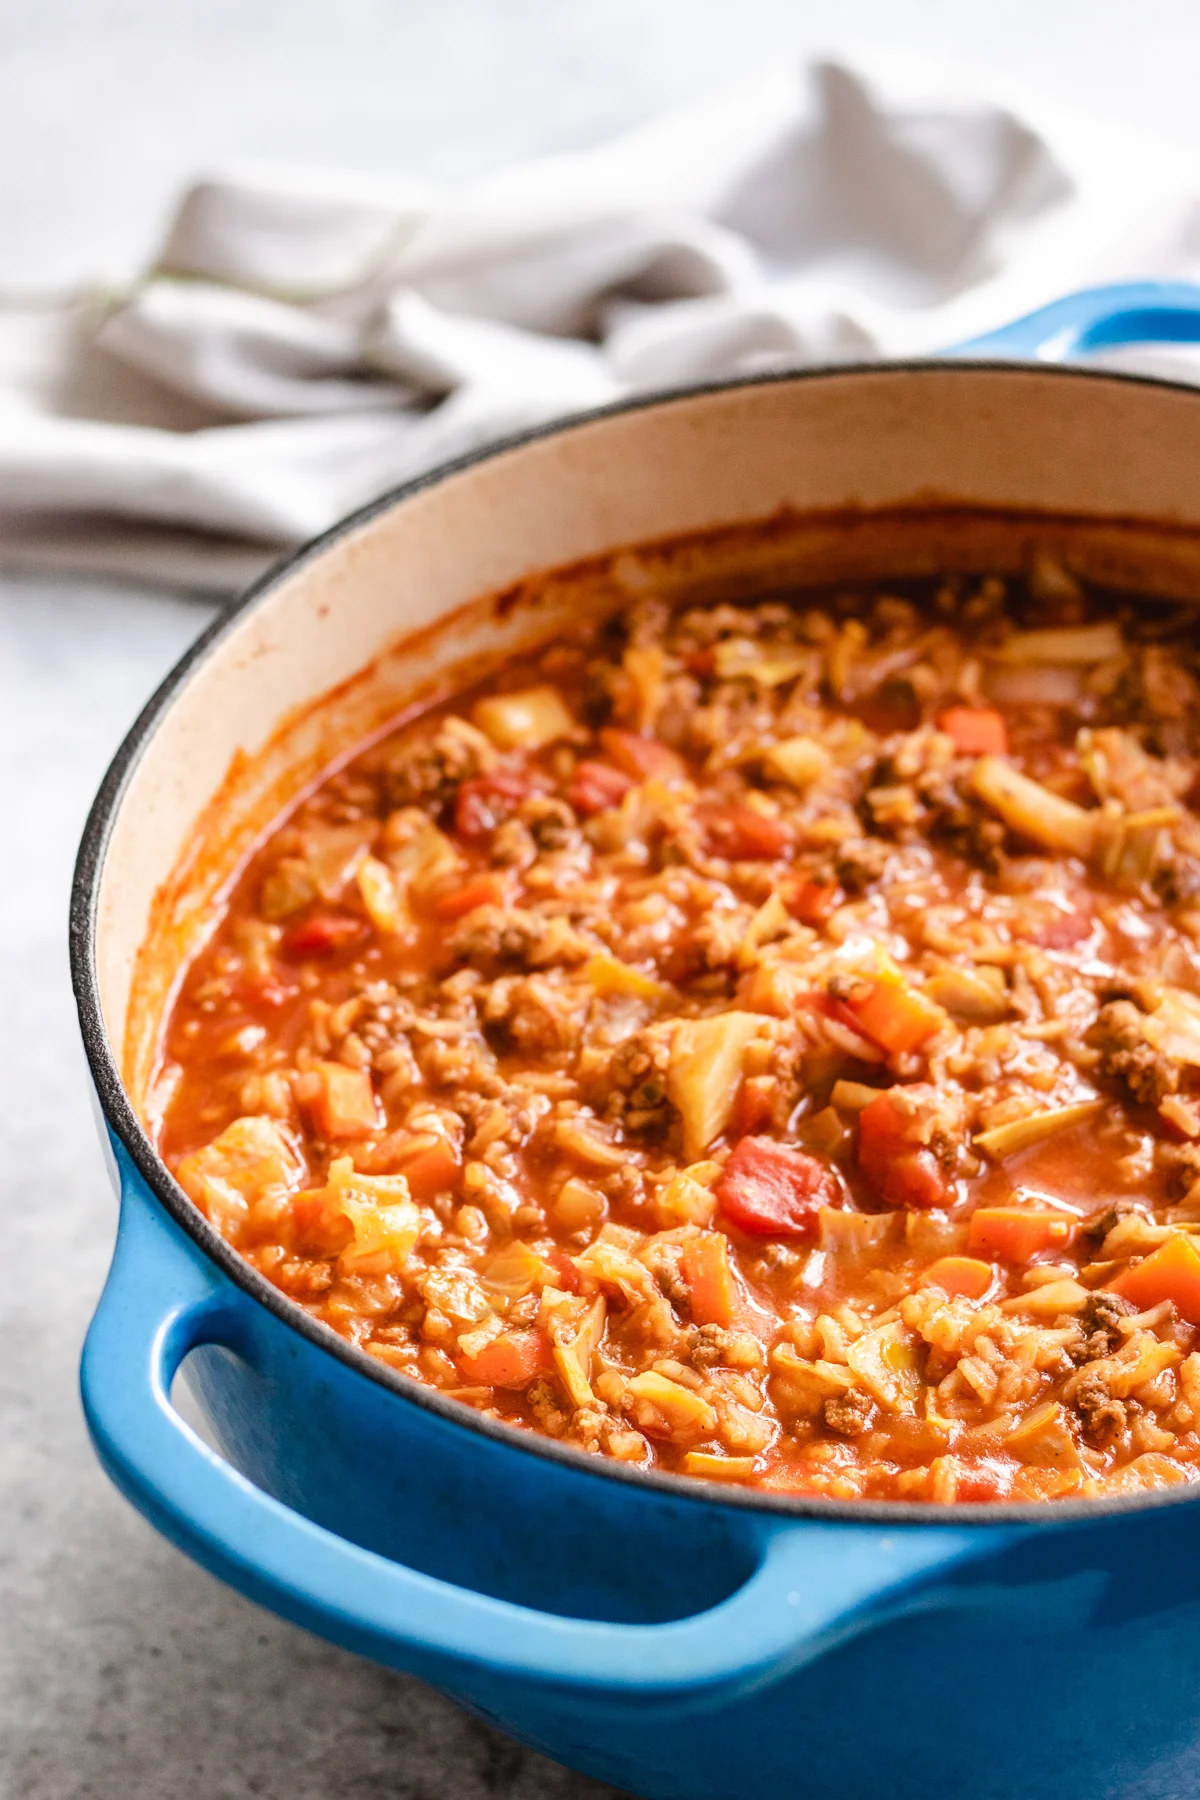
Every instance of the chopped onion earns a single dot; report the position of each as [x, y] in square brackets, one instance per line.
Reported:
[1084, 644]
[1047, 685]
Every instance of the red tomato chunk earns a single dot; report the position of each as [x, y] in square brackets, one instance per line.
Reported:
[322, 935]
[769, 1190]
[484, 890]
[486, 801]
[977, 731]
[812, 901]
[641, 758]
[596, 787]
[744, 835]
[893, 1150]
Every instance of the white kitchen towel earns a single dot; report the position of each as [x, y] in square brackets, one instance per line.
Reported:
[306, 340]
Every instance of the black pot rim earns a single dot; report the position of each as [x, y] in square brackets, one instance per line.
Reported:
[124, 1122]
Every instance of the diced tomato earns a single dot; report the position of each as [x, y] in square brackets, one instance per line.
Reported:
[770, 1190]
[753, 1110]
[1172, 1272]
[322, 934]
[1052, 927]
[891, 1154]
[1015, 1233]
[812, 901]
[487, 800]
[962, 1275]
[744, 835]
[491, 889]
[640, 757]
[566, 1275]
[976, 730]
[431, 1170]
[511, 1360]
[343, 1103]
[712, 1292]
[829, 1008]
[895, 1015]
[596, 787]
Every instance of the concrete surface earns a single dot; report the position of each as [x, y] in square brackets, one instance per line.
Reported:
[125, 1672]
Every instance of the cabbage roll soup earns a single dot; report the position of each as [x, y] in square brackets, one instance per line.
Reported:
[758, 1042]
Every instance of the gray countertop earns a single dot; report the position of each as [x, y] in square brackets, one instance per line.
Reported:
[125, 1670]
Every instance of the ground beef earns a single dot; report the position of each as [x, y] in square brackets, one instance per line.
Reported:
[860, 862]
[1098, 1226]
[1177, 880]
[666, 1272]
[533, 1015]
[635, 1081]
[711, 1345]
[551, 823]
[848, 1414]
[1103, 1416]
[493, 937]
[429, 770]
[1120, 987]
[1099, 1321]
[956, 818]
[916, 790]
[717, 938]
[301, 1279]
[1126, 1055]
[496, 938]
[507, 1117]
[546, 1407]
[512, 846]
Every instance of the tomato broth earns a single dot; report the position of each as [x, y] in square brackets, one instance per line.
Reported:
[756, 1041]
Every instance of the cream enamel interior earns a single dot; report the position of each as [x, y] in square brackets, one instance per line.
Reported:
[1096, 448]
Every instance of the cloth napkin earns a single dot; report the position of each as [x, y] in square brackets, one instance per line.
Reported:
[306, 339]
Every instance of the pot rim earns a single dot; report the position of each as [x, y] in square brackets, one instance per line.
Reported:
[121, 1118]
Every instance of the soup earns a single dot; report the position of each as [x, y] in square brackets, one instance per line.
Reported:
[759, 1042]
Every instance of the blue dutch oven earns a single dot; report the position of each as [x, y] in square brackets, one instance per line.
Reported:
[672, 1638]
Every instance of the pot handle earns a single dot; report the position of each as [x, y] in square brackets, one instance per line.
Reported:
[1103, 318]
[815, 1578]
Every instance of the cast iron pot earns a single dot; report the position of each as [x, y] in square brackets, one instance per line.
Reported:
[672, 1638]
